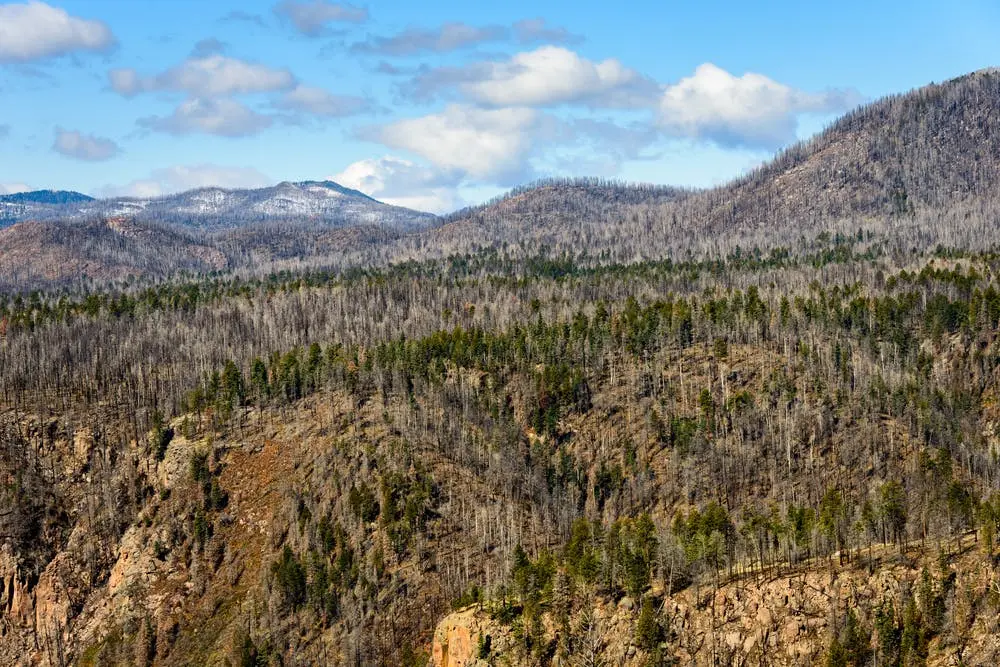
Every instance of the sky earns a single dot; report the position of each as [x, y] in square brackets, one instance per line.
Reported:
[441, 104]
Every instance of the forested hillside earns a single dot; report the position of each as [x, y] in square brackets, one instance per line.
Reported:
[583, 424]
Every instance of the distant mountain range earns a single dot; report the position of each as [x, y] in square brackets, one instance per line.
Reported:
[44, 198]
[322, 203]
[919, 170]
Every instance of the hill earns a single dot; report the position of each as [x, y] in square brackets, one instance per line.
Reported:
[53, 197]
[69, 240]
[920, 168]
[659, 445]
[916, 170]
[319, 202]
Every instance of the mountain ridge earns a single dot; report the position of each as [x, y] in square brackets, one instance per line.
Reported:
[918, 168]
[214, 207]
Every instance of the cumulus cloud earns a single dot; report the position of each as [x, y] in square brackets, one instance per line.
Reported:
[447, 37]
[750, 111]
[552, 75]
[35, 30]
[528, 31]
[81, 146]
[310, 17]
[549, 75]
[13, 188]
[221, 117]
[188, 177]
[207, 76]
[320, 102]
[487, 144]
[403, 183]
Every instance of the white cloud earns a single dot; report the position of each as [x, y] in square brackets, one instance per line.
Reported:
[320, 102]
[487, 144]
[209, 76]
[311, 16]
[84, 146]
[188, 177]
[13, 188]
[548, 75]
[402, 183]
[35, 30]
[221, 117]
[552, 75]
[749, 111]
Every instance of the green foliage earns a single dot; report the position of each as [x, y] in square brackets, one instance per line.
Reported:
[851, 644]
[632, 544]
[160, 436]
[472, 595]
[561, 388]
[582, 550]
[363, 503]
[889, 635]
[484, 646]
[649, 630]
[682, 433]
[707, 536]
[833, 517]
[252, 655]
[892, 509]
[202, 529]
[199, 467]
[290, 578]
[532, 579]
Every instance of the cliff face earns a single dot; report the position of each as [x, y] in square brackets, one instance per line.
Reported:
[787, 617]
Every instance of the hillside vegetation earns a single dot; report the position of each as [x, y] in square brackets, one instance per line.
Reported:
[582, 424]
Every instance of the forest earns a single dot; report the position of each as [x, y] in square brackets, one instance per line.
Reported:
[583, 444]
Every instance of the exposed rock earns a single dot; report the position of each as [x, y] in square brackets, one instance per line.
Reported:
[456, 639]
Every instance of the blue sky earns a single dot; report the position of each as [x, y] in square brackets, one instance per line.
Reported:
[439, 104]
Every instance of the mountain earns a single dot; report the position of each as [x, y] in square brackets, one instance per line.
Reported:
[98, 252]
[928, 149]
[755, 424]
[919, 169]
[209, 229]
[37, 204]
[320, 203]
[45, 197]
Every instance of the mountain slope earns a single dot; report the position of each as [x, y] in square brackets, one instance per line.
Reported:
[916, 170]
[921, 168]
[318, 202]
[37, 204]
[927, 149]
[59, 238]
[52, 197]
[324, 203]
[97, 253]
